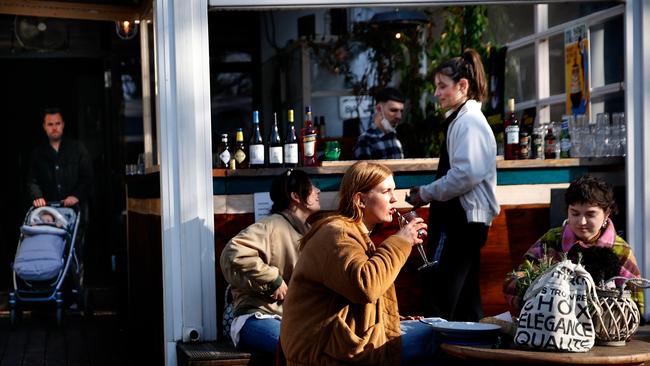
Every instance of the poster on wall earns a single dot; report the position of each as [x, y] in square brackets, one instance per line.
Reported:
[576, 66]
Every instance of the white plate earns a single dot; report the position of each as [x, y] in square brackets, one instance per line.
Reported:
[465, 328]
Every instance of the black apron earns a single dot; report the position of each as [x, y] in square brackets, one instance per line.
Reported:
[444, 215]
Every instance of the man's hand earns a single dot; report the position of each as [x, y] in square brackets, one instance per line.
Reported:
[414, 199]
[39, 202]
[70, 201]
[280, 292]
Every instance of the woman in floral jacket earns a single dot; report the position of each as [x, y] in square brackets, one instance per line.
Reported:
[587, 235]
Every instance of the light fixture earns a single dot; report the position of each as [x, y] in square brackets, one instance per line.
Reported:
[126, 29]
[398, 35]
[399, 19]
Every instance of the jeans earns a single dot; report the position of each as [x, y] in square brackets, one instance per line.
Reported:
[419, 342]
[260, 335]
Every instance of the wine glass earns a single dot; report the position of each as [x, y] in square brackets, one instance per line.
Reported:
[404, 219]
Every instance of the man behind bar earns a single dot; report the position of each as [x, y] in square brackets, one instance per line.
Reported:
[380, 140]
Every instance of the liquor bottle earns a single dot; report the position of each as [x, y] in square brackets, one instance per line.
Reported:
[291, 143]
[275, 145]
[223, 152]
[511, 128]
[565, 139]
[322, 130]
[524, 145]
[256, 144]
[308, 137]
[240, 157]
[537, 151]
[550, 143]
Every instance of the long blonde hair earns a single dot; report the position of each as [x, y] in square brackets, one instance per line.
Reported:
[361, 177]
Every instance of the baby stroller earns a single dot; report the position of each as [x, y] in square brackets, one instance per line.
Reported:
[47, 251]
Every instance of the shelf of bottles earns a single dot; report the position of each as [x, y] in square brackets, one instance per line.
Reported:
[572, 137]
[295, 149]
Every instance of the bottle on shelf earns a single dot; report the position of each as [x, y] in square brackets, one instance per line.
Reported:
[308, 137]
[565, 138]
[511, 128]
[223, 152]
[240, 158]
[322, 130]
[275, 145]
[537, 151]
[550, 144]
[256, 144]
[291, 143]
[524, 145]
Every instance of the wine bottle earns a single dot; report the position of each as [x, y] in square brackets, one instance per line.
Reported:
[240, 157]
[308, 137]
[291, 143]
[256, 144]
[223, 152]
[511, 128]
[275, 145]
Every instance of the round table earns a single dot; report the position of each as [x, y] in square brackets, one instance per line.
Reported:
[635, 352]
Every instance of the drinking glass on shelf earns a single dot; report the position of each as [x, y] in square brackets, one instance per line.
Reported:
[619, 133]
[603, 129]
[404, 219]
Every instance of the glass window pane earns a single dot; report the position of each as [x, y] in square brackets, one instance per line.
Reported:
[521, 81]
[509, 22]
[609, 54]
[231, 101]
[559, 13]
[556, 64]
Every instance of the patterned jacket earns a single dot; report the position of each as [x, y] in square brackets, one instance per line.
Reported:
[374, 144]
[560, 240]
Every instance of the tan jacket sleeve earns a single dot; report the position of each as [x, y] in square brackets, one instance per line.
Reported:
[360, 276]
[242, 261]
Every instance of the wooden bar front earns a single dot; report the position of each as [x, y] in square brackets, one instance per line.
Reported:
[524, 190]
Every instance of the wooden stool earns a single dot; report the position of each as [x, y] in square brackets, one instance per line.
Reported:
[210, 354]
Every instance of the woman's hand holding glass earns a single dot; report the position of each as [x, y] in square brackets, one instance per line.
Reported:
[412, 227]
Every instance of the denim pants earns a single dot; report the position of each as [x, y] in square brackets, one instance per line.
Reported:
[419, 342]
[260, 335]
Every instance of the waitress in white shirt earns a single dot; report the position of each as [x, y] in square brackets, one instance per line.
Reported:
[463, 195]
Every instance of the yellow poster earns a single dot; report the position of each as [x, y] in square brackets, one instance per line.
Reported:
[576, 66]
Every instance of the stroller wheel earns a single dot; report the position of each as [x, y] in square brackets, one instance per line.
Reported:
[59, 316]
[87, 303]
[14, 316]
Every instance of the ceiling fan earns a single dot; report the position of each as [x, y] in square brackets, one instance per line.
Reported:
[41, 34]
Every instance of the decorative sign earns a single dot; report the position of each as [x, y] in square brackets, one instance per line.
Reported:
[576, 66]
[351, 107]
[262, 203]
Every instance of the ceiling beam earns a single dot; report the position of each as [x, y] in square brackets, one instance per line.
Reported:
[57, 9]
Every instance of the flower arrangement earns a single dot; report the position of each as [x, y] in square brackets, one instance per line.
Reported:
[528, 272]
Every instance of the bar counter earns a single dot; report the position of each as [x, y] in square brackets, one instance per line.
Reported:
[525, 190]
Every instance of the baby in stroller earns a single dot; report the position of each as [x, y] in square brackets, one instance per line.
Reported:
[40, 254]
[47, 216]
[45, 253]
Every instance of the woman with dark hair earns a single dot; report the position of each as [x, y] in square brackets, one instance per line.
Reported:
[258, 262]
[463, 194]
[587, 235]
[341, 306]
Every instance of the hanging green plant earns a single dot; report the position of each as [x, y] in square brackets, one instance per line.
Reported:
[409, 55]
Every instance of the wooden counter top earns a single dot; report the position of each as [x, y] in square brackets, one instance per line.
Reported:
[423, 165]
